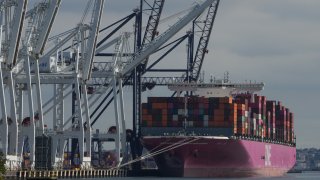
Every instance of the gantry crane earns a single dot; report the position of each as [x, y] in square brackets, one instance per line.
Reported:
[40, 20]
[17, 59]
[20, 71]
[84, 49]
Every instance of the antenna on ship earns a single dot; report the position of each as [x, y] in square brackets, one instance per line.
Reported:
[211, 79]
[201, 80]
[226, 77]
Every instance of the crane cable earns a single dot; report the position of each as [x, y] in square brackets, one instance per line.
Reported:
[84, 15]
[89, 3]
[168, 148]
[160, 22]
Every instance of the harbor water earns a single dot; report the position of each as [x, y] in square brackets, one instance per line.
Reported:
[305, 176]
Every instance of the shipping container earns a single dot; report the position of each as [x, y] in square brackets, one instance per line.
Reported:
[246, 114]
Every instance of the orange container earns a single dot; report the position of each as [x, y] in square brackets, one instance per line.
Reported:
[159, 106]
[233, 119]
[226, 100]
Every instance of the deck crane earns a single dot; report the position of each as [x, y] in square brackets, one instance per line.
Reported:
[10, 27]
[40, 21]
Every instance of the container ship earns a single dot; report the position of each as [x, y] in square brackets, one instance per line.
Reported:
[220, 129]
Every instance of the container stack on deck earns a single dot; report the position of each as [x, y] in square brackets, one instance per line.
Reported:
[248, 115]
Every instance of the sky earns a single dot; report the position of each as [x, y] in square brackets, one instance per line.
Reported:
[272, 41]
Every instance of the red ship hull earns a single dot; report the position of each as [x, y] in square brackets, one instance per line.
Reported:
[208, 156]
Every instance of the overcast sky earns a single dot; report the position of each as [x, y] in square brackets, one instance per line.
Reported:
[274, 41]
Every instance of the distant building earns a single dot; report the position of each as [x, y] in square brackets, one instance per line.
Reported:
[307, 160]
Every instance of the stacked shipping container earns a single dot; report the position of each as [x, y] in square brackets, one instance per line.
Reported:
[247, 114]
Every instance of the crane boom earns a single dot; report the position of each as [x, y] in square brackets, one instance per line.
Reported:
[153, 21]
[158, 42]
[15, 34]
[92, 41]
[61, 43]
[206, 30]
[46, 25]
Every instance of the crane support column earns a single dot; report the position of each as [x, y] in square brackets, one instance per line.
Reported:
[123, 121]
[40, 129]
[118, 131]
[87, 130]
[79, 126]
[30, 129]
[3, 121]
[13, 128]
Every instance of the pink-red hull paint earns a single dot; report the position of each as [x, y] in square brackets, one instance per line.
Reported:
[209, 157]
